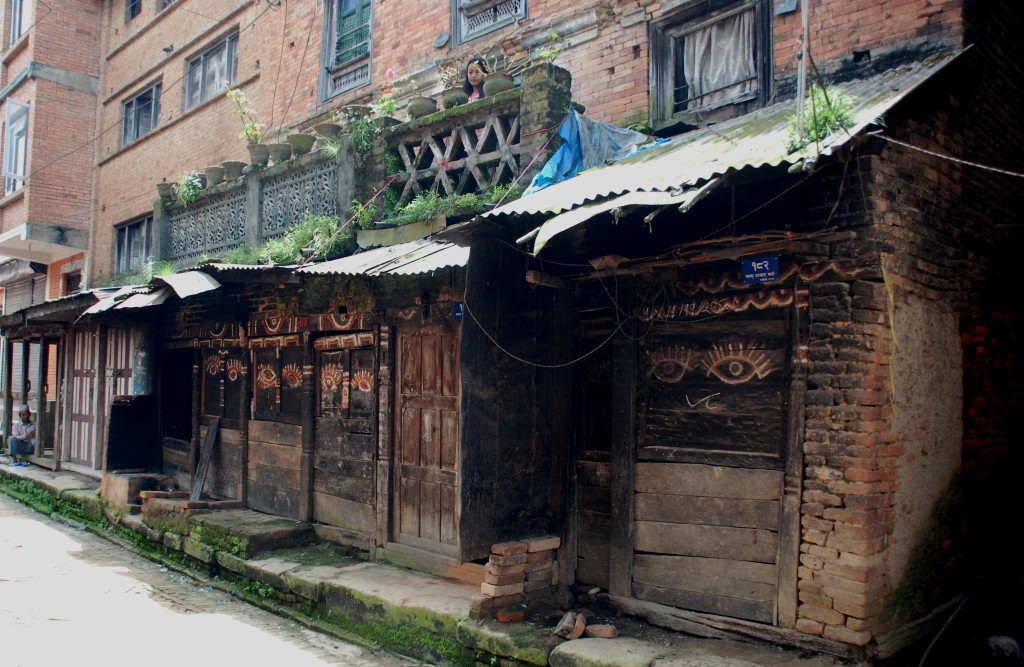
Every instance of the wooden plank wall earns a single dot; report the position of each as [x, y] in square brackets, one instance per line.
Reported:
[707, 538]
[222, 477]
[593, 508]
[177, 455]
[275, 450]
[343, 485]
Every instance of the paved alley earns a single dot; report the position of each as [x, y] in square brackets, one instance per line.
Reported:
[70, 597]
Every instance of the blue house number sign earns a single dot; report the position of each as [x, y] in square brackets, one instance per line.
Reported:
[760, 270]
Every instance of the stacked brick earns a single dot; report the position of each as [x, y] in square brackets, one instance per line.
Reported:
[520, 571]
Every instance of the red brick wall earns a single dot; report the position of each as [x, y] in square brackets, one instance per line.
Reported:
[279, 56]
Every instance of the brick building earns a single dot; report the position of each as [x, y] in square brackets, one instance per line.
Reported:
[876, 366]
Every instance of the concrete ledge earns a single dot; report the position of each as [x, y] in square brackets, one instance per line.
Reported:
[519, 641]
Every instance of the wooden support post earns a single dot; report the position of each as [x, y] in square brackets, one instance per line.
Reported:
[8, 394]
[197, 407]
[209, 442]
[308, 431]
[42, 433]
[243, 424]
[99, 400]
[384, 430]
[623, 425]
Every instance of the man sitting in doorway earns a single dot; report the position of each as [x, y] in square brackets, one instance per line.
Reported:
[23, 441]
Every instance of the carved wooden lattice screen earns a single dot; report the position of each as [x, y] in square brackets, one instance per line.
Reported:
[462, 155]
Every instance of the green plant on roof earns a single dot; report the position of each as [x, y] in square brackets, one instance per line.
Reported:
[187, 188]
[827, 111]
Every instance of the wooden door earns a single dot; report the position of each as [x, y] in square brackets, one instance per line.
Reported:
[82, 398]
[708, 514]
[427, 437]
[120, 347]
[343, 455]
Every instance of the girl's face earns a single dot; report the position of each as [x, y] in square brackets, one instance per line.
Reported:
[475, 74]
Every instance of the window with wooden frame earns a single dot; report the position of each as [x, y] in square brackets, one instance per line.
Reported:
[277, 384]
[224, 373]
[141, 114]
[132, 9]
[347, 46]
[212, 71]
[473, 18]
[710, 61]
[15, 145]
[133, 244]
[20, 12]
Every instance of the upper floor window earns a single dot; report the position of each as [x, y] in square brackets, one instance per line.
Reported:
[72, 283]
[347, 45]
[133, 241]
[15, 145]
[472, 18]
[212, 71]
[20, 12]
[164, 4]
[132, 9]
[710, 62]
[141, 114]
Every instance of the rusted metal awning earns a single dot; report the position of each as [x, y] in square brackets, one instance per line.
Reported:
[686, 166]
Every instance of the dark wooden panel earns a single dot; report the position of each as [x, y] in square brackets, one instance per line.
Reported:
[330, 425]
[431, 402]
[430, 511]
[597, 524]
[358, 489]
[711, 481]
[278, 456]
[449, 514]
[275, 432]
[267, 379]
[761, 612]
[591, 473]
[341, 444]
[740, 513]
[704, 457]
[759, 546]
[273, 499]
[593, 571]
[343, 512]
[283, 478]
[594, 500]
[715, 576]
[327, 466]
[291, 380]
[429, 475]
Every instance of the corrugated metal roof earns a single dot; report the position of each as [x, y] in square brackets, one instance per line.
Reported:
[188, 283]
[754, 140]
[416, 257]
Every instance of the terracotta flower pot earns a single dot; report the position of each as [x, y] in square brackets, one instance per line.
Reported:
[301, 143]
[214, 175]
[453, 97]
[232, 169]
[420, 106]
[497, 82]
[279, 152]
[259, 154]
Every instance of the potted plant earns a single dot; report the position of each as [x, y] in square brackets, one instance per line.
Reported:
[419, 106]
[450, 76]
[165, 190]
[188, 187]
[232, 169]
[252, 131]
[301, 143]
[214, 175]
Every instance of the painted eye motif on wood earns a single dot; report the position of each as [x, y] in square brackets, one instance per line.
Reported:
[736, 363]
[212, 365]
[670, 363]
[292, 375]
[266, 378]
[362, 381]
[331, 376]
[235, 369]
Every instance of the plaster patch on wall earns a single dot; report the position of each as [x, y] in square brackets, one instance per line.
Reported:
[928, 395]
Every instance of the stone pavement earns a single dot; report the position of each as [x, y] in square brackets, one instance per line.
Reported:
[434, 619]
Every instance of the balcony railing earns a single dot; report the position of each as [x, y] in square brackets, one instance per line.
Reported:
[470, 148]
